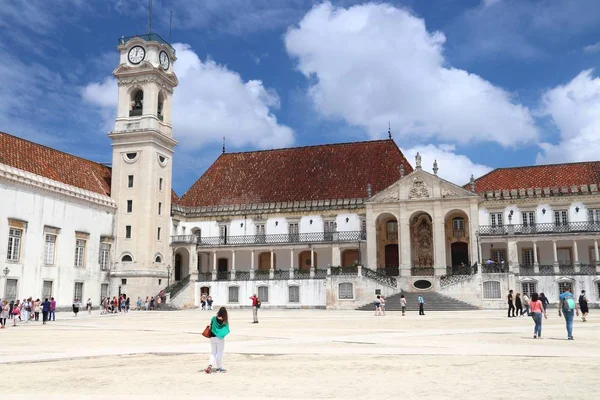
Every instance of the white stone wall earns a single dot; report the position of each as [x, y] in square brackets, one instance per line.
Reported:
[364, 292]
[39, 209]
[540, 216]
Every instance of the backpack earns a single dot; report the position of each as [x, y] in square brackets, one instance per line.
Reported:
[568, 303]
[257, 303]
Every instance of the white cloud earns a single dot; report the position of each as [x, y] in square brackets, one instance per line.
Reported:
[592, 48]
[453, 167]
[575, 110]
[373, 63]
[211, 102]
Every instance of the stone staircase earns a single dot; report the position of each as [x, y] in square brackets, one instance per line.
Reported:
[433, 302]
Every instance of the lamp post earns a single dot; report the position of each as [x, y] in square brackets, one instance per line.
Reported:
[168, 275]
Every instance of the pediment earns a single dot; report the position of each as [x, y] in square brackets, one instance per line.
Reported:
[389, 195]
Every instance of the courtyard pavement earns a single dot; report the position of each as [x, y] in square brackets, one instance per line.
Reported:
[301, 354]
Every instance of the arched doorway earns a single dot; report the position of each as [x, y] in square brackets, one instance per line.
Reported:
[391, 257]
[350, 257]
[421, 235]
[182, 264]
[457, 233]
[177, 267]
[386, 226]
[264, 261]
[460, 253]
[304, 260]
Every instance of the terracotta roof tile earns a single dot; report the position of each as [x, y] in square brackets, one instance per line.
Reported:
[174, 197]
[333, 171]
[539, 176]
[54, 164]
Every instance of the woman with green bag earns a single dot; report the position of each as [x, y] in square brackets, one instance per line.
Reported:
[219, 328]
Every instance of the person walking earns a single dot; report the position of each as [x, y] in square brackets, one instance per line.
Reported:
[403, 304]
[52, 314]
[88, 305]
[4, 313]
[382, 299]
[209, 302]
[568, 307]
[158, 302]
[526, 304]
[45, 310]
[219, 328]
[25, 310]
[16, 313]
[545, 301]
[583, 306]
[255, 307]
[147, 304]
[421, 301]
[36, 309]
[139, 304]
[518, 305]
[378, 305]
[511, 306]
[75, 306]
[128, 304]
[537, 310]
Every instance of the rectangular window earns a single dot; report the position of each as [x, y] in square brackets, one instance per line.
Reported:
[528, 257]
[293, 232]
[260, 233]
[491, 290]
[564, 256]
[129, 206]
[104, 256]
[159, 208]
[79, 253]
[329, 228]
[47, 290]
[158, 234]
[458, 224]
[363, 228]
[528, 288]
[124, 281]
[49, 249]
[528, 218]
[14, 244]
[160, 180]
[496, 219]
[78, 291]
[11, 289]
[563, 286]
[234, 292]
[103, 291]
[128, 232]
[263, 294]
[498, 255]
[345, 291]
[130, 181]
[594, 215]
[560, 217]
[294, 294]
[391, 227]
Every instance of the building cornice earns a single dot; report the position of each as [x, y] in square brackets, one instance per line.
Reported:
[38, 182]
[551, 200]
[535, 194]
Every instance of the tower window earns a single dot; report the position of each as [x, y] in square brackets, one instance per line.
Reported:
[128, 232]
[159, 208]
[161, 101]
[130, 181]
[160, 183]
[137, 105]
[131, 156]
[158, 234]
[126, 258]
[129, 206]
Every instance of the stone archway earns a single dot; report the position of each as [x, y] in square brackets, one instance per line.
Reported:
[264, 261]
[457, 236]
[350, 257]
[304, 260]
[386, 226]
[182, 264]
[421, 236]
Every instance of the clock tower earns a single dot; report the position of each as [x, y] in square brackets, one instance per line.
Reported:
[142, 159]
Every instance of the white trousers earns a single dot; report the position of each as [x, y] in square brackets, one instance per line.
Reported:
[216, 356]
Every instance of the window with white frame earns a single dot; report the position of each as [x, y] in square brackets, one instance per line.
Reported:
[263, 294]
[563, 286]
[234, 293]
[223, 231]
[496, 219]
[47, 290]
[391, 227]
[130, 181]
[527, 288]
[104, 256]
[103, 291]
[528, 218]
[293, 231]
[127, 231]
[78, 291]
[458, 224]
[561, 217]
[594, 215]
[363, 224]
[498, 255]
[345, 291]
[260, 233]
[294, 294]
[528, 259]
[11, 289]
[129, 206]
[491, 290]
[14, 244]
[80, 253]
[329, 228]
[49, 249]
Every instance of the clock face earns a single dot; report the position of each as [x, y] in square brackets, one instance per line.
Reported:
[136, 54]
[164, 60]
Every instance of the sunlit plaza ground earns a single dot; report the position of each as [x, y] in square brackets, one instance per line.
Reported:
[301, 354]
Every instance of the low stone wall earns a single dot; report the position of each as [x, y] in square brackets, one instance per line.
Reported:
[364, 291]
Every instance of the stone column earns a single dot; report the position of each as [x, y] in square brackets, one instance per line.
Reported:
[214, 271]
[336, 256]
[252, 264]
[312, 262]
[439, 240]
[404, 241]
[233, 265]
[291, 263]
[371, 238]
[577, 264]
[272, 267]
[513, 256]
[597, 255]
[536, 264]
[555, 253]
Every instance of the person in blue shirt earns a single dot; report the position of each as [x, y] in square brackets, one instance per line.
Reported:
[421, 305]
[568, 306]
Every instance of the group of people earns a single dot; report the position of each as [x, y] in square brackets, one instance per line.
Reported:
[380, 305]
[537, 306]
[206, 301]
[123, 304]
[27, 310]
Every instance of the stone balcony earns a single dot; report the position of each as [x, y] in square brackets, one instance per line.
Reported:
[269, 240]
[538, 229]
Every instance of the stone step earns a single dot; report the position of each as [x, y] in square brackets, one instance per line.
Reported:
[433, 302]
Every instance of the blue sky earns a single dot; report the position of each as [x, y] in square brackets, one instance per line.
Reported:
[474, 84]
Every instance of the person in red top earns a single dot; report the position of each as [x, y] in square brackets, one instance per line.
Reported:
[537, 310]
[255, 305]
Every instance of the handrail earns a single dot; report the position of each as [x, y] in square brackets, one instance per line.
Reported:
[174, 290]
[149, 37]
[379, 277]
[539, 229]
[283, 238]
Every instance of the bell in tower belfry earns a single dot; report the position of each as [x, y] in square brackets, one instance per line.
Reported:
[143, 143]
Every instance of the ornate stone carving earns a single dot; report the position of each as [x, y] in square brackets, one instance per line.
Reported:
[448, 192]
[419, 189]
[390, 195]
[144, 79]
[422, 241]
[418, 161]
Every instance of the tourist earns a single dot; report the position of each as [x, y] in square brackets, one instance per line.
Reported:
[568, 307]
[16, 313]
[11, 306]
[75, 306]
[52, 314]
[382, 299]
[511, 306]
[378, 305]
[421, 305]
[25, 310]
[45, 310]
[583, 306]
[209, 302]
[526, 304]
[255, 307]
[545, 301]
[152, 303]
[158, 302]
[139, 304]
[88, 305]
[203, 301]
[403, 304]
[4, 314]
[537, 309]
[122, 304]
[146, 304]
[518, 305]
[127, 304]
[219, 328]
[36, 309]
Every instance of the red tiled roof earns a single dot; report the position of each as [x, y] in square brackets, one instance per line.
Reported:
[174, 197]
[333, 171]
[539, 176]
[54, 164]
